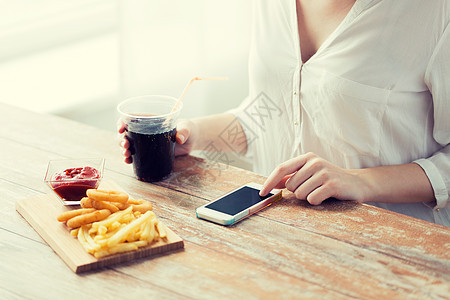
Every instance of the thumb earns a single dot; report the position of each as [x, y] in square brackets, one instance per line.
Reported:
[183, 132]
[121, 126]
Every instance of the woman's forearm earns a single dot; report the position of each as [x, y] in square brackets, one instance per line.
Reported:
[221, 131]
[396, 184]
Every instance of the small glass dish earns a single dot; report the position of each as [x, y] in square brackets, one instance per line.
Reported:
[71, 178]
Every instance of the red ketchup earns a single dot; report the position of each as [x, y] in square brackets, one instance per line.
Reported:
[71, 184]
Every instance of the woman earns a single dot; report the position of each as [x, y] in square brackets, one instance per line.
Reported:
[348, 99]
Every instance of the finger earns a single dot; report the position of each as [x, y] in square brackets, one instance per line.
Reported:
[282, 183]
[282, 170]
[126, 143]
[126, 153]
[302, 190]
[183, 133]
[123, 141]
[128, 160]
[180, 138]
[121, 126]
[319, 195]
[301, 176]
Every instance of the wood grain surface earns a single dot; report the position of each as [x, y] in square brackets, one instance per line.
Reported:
[291, 250]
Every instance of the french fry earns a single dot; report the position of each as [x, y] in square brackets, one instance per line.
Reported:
[131, 237]
[141, 243]
[101, 253]
[134, 225]
[112, 218]
[127, 218]
[153, 233]
[116, 225]
[118, 248]
[146, 231]
[122, 234]
[141, 229]
[106, 235]
[83, 241]
[92, 244]
[102, 242]
[162, 232]
[102, 230]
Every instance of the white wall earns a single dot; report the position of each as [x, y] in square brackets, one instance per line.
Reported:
[166, 43]
[79, 58]
[59, 56]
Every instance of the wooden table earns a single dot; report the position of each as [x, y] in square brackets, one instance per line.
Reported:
[291, 250]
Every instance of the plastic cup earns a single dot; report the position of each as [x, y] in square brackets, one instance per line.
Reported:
[150, 129]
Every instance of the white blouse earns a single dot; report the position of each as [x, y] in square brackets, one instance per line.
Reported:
[377, 92]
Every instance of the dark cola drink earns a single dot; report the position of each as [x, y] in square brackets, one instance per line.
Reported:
[153, 154]
[150, 123]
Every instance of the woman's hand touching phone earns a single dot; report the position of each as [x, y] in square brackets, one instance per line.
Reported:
[314, 179]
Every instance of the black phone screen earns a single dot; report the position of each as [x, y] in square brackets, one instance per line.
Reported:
[237, 201]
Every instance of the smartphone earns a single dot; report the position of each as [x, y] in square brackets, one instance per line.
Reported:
[236, 205]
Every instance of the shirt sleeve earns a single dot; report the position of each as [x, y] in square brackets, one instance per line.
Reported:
[437, 78]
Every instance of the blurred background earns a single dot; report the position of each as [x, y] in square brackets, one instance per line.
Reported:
[79, 58]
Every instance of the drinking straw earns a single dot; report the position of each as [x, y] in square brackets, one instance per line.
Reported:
[188, 85]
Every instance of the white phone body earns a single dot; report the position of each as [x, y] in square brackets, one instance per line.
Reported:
[237, 204]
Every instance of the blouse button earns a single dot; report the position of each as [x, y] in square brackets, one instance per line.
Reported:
[296, 123]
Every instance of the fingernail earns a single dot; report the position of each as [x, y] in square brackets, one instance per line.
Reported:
[181, 139]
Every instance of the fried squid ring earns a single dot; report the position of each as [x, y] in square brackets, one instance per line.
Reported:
[121, 206]
[140, 205]
[88, 218]
[104, 205]
[103, 195]
[86, 202]
[73, 213]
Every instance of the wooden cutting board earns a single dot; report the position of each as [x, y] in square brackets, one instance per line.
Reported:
[41, 212]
